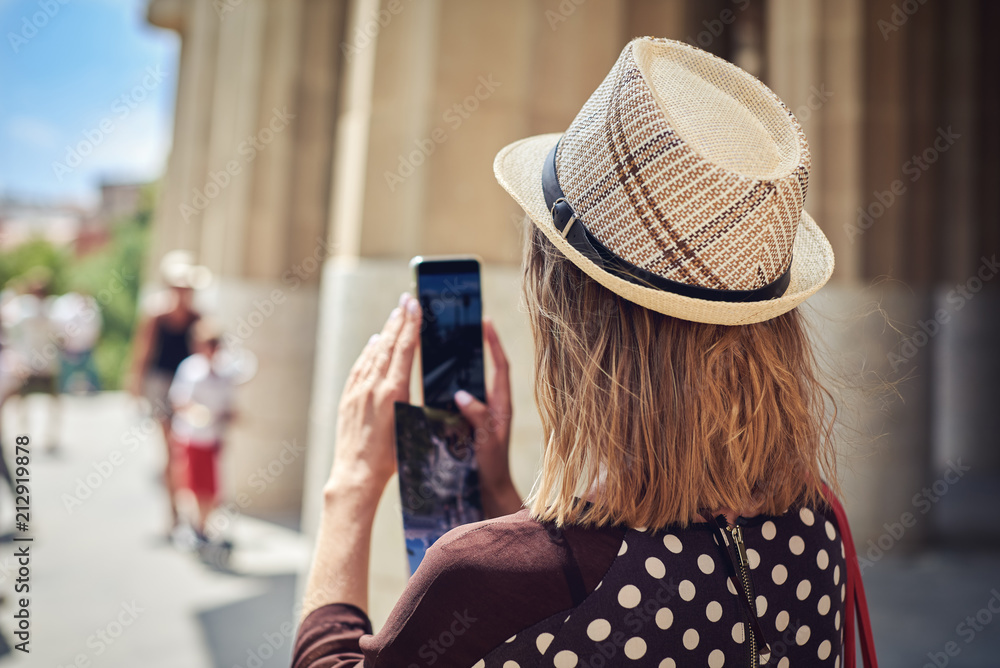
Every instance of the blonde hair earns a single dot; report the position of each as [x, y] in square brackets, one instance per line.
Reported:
[649, 419]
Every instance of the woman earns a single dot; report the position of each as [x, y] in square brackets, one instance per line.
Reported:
[678, 519]
[163, 340]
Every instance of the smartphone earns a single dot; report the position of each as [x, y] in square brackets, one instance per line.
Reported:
[438, 476]
[451, 335]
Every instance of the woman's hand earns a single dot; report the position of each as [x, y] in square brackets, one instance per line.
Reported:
[492, 429]
[364, 460]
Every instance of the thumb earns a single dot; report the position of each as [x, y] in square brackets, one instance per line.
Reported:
[472, 409]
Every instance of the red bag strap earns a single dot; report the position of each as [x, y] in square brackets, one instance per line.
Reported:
[855, 602]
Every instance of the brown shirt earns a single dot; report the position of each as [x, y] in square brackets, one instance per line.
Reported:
[516, 590]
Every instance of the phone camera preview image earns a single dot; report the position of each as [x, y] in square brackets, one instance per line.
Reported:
[451, 341]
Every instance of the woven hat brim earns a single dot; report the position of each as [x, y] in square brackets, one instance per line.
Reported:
[518, 168]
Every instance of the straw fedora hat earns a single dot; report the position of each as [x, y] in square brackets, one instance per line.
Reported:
[679, 186]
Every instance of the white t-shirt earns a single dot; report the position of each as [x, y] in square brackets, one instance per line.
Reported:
[201, 393]
[77, 319]
[31, 335]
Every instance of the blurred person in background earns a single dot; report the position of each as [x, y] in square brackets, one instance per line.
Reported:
[77, 318]
[164, 340]
[201, 396]
[33, 343]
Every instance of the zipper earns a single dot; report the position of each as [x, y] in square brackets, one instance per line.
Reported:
[743, 571]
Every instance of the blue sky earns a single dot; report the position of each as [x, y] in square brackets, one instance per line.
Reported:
[96, 79]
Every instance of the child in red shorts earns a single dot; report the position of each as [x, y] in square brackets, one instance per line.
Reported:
[202, 397]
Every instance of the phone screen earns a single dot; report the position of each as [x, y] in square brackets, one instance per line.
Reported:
[451, 339]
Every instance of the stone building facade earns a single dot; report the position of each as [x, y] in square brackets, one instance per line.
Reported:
[319, 144]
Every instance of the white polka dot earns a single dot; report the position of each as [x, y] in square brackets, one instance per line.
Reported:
[739, 634]
[668, 663]
[843, 592]
[768, 530]
[822, 559]
[655, 567]
[565, 659]
[730, 586]
[823, 606]
[716, 659]
[796, 545]
[761, 605]
[598, 630]
[824, 649]
[836, 574]
[480, 664]
[843, 555]
[706, 564]
[598, 585]
[779, 574]
[803, 590]
[783, 663]
[641, 529]
[831, 533]
[686, 590]
[623, 549]
[664, 618]
[781, 621]
[511, 639]
[807, 517]
[672, 543]
[511, 664]
[802, 635]
[836, 664]
[690, 639]
[543, 641]
[629, 596]
[713, 611]
[635, 648]
[836, 621]
[753, 557]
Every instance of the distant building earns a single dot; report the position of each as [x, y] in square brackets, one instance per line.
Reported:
[118, 201]
[23, 220]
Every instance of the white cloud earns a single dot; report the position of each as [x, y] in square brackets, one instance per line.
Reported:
[34, 132]
[136, 149]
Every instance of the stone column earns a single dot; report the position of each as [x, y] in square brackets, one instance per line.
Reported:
[816, 63]
[199, 30]
[429, 95]
[251, 199]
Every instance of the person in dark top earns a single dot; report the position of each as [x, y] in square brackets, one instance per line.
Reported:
[680, 517]
[163, 340]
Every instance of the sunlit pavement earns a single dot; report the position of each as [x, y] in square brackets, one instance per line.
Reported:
[107, 589]
[106, 586]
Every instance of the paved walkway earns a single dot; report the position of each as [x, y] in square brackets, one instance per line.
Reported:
[104, 564]
[108, 588]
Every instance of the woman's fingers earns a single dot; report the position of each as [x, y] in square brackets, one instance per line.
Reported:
[383, 343]
[398, 373]
[363, 361]
[500, 389]
[475, 411]
[386, 343]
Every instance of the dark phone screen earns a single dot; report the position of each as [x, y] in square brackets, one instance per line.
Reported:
[451, 339]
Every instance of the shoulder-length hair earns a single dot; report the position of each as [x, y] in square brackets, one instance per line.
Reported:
[649, 419]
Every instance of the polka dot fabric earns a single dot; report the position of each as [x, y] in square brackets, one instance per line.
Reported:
[667, 601]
